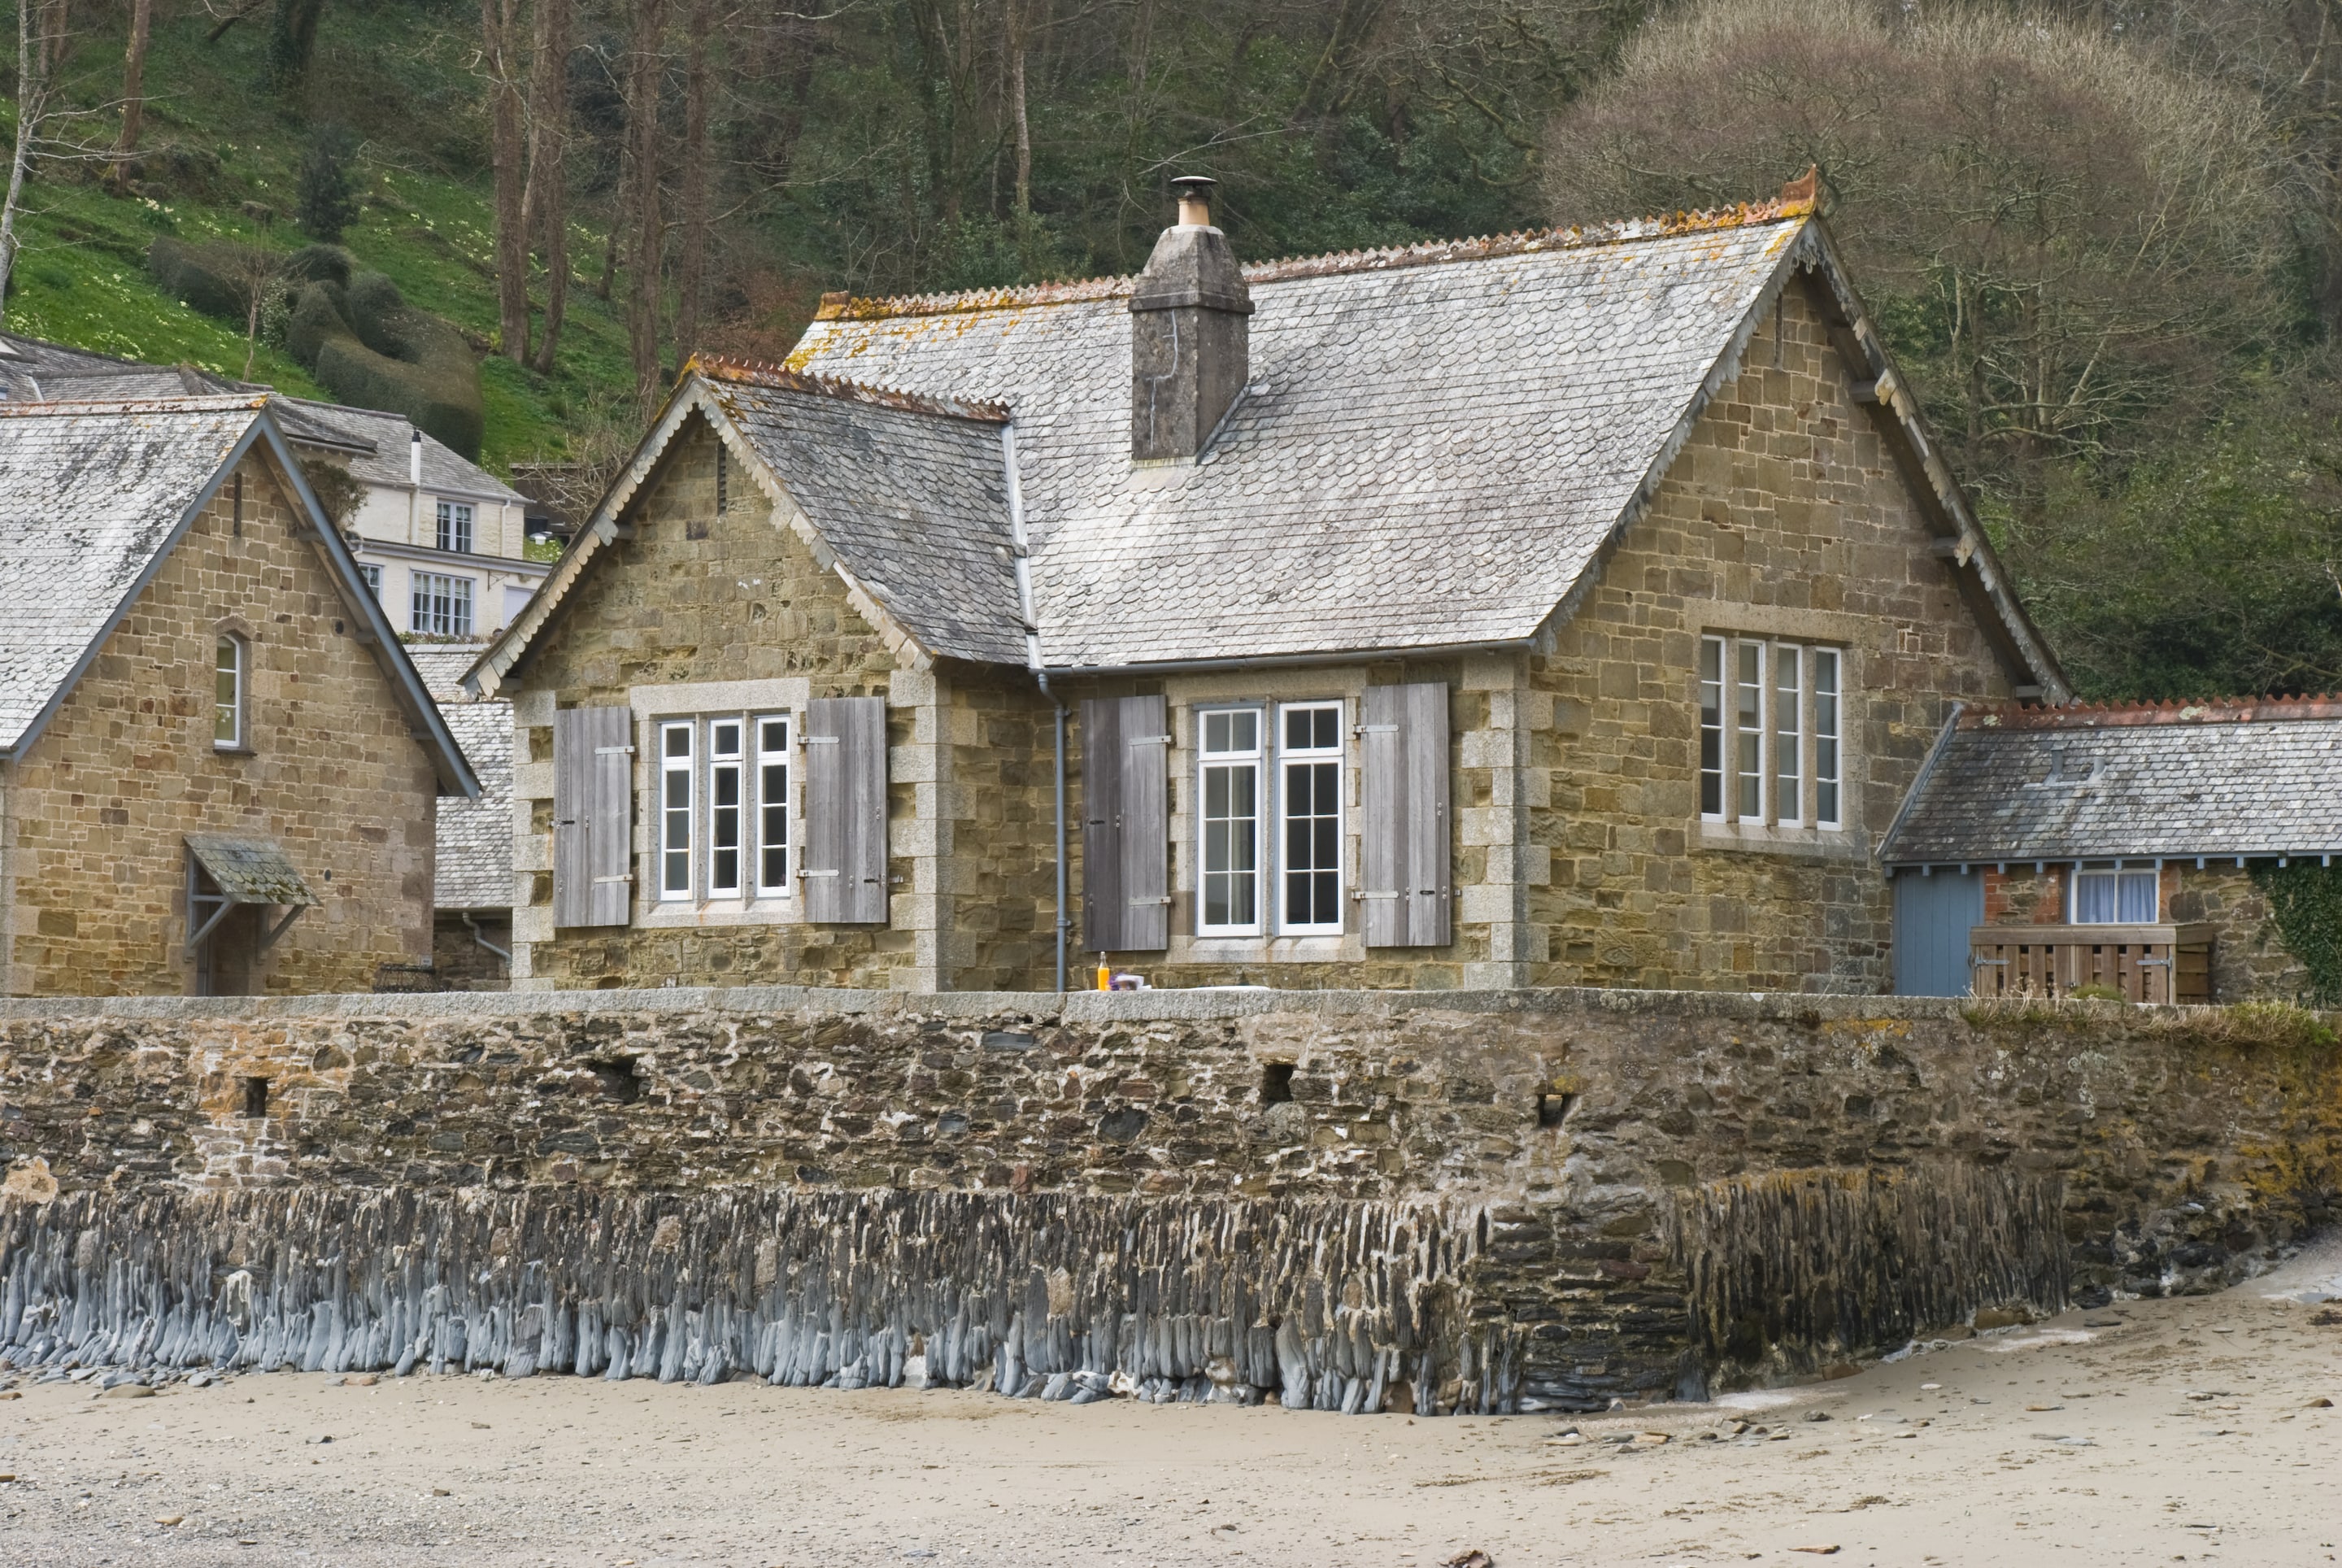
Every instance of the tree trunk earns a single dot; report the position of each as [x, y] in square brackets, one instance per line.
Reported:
[1017, 106]
[500, 38]
[35, 54]
[692, 265]
[645, 69]
[133, 90]
[544, 204]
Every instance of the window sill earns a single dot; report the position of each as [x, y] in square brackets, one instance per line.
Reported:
[685, 914]
[220, 750]
[1803, 843]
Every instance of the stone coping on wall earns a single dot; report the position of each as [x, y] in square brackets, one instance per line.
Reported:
[1071, 1006]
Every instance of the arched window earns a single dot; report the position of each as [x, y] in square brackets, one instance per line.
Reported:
[231, 676]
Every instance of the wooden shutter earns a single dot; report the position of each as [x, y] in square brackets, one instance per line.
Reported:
[1125, 825]
[592, 816]
[845, 865]
[1408, 879]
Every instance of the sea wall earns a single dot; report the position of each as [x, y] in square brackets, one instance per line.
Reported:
[1467, 1201]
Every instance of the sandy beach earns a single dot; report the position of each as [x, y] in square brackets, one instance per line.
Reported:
[2197, 1430]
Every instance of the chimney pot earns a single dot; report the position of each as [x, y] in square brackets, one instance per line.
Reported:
[1194, 194]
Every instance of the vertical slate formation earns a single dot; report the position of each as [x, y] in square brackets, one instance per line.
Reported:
[1318, 1304]
[1188, 334]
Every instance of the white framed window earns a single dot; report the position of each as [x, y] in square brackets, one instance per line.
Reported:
[1228, 814]
[442, 604]
[372, 575]
[1712, 729]
[455, 519]
[1749, 724]
[1825, 662]
[773, 806]
[2108, 893]
[1309, 808]
[230, 678]
[675, 813]
[1772, 716]
[727, 807]
[1788, 741]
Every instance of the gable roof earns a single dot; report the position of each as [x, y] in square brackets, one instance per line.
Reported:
[1439, 445]
[93, 499]
[2253, 778]
[372, 441]
[906, 499]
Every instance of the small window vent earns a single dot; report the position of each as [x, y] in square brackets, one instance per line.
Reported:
[255, 1097]
[1276, 1083]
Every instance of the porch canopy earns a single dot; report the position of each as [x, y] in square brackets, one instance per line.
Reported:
[242, 870]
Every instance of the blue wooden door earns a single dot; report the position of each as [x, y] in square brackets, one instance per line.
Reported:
[1932, 918]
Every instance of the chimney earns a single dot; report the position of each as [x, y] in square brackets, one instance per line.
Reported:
[1188, 333]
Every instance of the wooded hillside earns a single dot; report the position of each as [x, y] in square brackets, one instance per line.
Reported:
[2106, 239]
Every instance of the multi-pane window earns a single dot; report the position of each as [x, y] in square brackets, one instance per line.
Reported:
[722, 809]
[675, 823]
[773, 806]
[1310, 774]
[455, 526]
[726, 806]
[2109, 894]
[1771, 718]
[442, 604]
[1229, 800]
[372, 575]
[228, 692]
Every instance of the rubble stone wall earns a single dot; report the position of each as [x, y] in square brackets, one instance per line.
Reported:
[1531, 1199]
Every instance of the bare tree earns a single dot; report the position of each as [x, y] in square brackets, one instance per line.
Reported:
[40, 41]
[544, 209]
[134, 89]
[690, 269]
[646, 257]
[500, 57]
[254, 269]
[2087, 234]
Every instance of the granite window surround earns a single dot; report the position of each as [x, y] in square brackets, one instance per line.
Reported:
[698, 710]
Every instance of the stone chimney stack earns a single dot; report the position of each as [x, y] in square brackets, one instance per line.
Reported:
[1188, 333]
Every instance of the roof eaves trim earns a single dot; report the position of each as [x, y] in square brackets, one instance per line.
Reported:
[1919, 782]
[720, 367]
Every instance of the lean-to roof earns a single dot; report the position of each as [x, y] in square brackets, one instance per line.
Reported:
[2252, 778]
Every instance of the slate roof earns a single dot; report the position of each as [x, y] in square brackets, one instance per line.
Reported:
[1429, 455]
[93, 496]
[2252, 778]
[1437, 445]
[89, 496]
[913, 496]
[374, 442]
[474, 864]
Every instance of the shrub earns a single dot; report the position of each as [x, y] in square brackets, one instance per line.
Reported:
[328, 201]
[371, 350]
[200, 276]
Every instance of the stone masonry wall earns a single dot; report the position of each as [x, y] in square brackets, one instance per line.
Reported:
[1635, 1193]
[1784, 517]
[92, 846]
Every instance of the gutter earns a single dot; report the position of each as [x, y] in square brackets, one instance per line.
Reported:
[1282, 660]
[1021, 562]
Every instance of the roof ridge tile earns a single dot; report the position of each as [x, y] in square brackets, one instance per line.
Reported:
[843, 306]
[745, 372]
[2279, 709]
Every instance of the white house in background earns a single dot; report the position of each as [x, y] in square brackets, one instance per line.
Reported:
[442, 541]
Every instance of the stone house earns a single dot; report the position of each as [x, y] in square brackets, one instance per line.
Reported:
[442, 541]
[1563, 608]
[217, 768]
[2051, 851]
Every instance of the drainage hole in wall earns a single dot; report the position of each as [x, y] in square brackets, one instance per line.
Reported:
[255, 1097]
[620, 1079]
[1553, 1110]
[1276, 1083]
